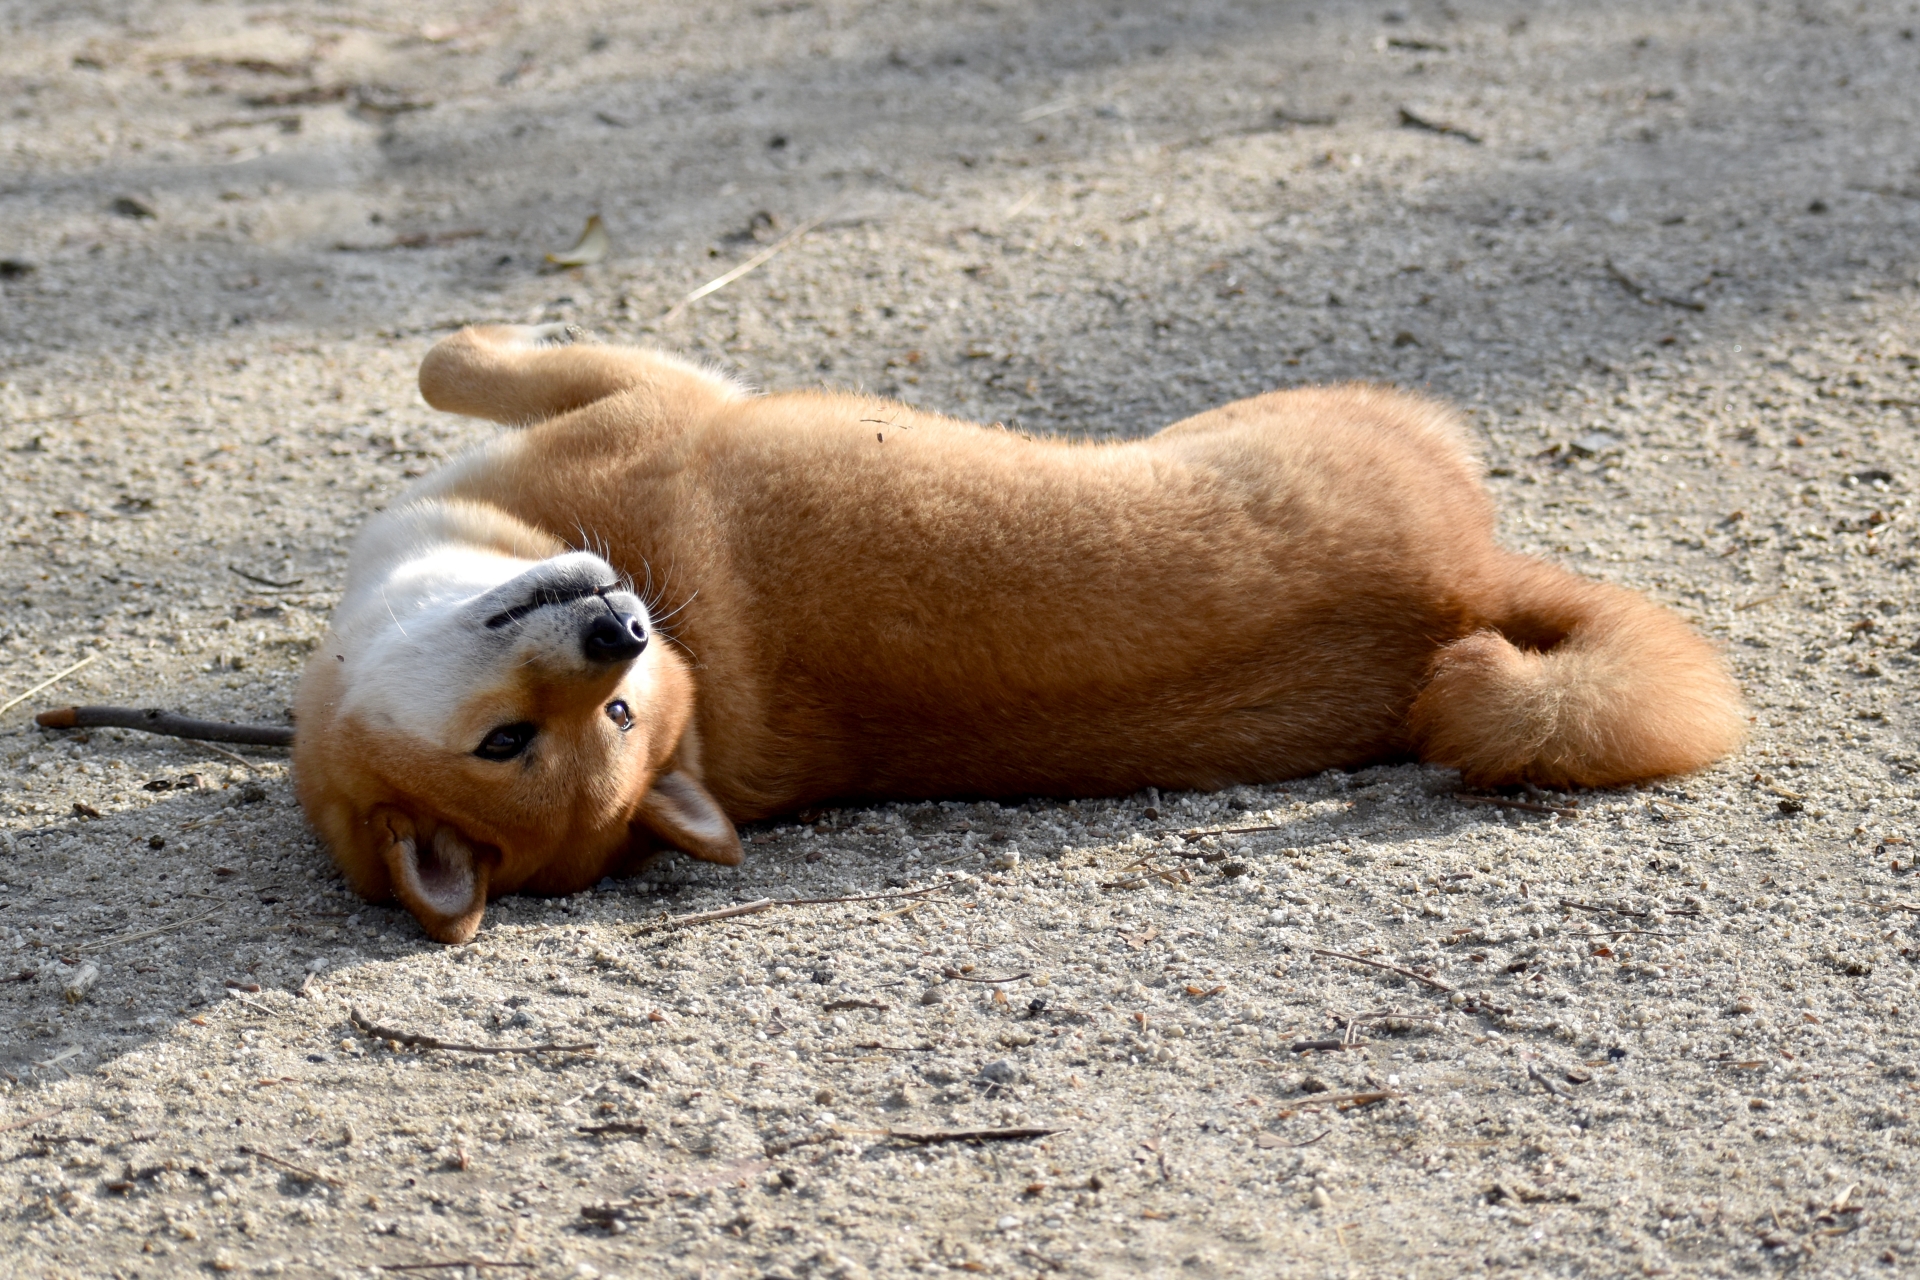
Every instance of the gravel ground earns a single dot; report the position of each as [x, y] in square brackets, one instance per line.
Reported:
[1665, 258]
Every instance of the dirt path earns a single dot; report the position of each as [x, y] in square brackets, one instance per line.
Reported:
[1665, 260]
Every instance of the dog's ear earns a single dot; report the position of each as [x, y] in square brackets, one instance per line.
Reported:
[681, 812]
[440, 877]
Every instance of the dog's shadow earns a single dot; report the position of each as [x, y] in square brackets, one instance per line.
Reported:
[120, 929]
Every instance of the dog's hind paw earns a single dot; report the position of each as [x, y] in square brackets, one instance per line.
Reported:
[547, 335]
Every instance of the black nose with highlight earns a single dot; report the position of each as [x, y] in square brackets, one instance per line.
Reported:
[614, 637]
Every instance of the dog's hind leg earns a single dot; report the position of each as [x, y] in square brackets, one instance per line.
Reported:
[522, 374]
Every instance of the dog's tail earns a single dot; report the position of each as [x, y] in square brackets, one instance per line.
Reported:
[1575, 684]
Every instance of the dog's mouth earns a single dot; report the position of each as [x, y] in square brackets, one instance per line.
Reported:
[545, 596]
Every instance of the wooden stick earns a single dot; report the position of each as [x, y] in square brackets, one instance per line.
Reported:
[970, 1135]
[48, 683]
[142, 935]
[408, 1038]
[759, 259]
[452, 1262]
[724, 913]
[954, 975]
[1421, 978]
[1413, 120]
[1227, 831]
[1528, 805]
[155, 720]
[265, 582]
[865, 897]
[298, 1171]
[1650, 296]
[767, 904]
[1349, 1101]
[11, 1125]
[1534, 1074]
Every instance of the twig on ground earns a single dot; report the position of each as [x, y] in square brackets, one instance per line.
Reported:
[1041, 1258]
[954, 975]
[933, 1137]
[1421, 978]
[1324, 1046]
[252, 1004]
[453, 1262]
[724, 913]
[1228, 831]
[836, 1005]
[606, 1214]
[1755, 604]
[1273, 1141]
[48, 683]
[768, 904]
[1530, 806]
[265, 582]
[154, 720]
[809, 1140]
[758, 260]
[865, 897]
[1411, 120]
[1650, 296]
[1616, 909]
[234, 756]
[1385, 1015]
[143, 934]
[412, 1040]
[30, 1121]
[1534, 1074]
[1352, 1101]
[297, 1170]
[1908, 907]
[636, 1128]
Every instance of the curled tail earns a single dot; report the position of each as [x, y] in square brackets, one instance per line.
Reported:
[1582, 684]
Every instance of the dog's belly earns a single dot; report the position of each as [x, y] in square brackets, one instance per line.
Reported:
[1307, 694]
[939, 610]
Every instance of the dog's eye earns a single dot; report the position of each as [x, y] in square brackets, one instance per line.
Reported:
[618, 712]
[506, 742]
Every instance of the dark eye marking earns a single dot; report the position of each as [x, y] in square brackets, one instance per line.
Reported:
[620, 714]
[507, 741]
[544, 597]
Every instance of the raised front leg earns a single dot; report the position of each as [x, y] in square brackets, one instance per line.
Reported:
[521, 374]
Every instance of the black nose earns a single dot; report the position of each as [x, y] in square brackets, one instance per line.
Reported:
[614, 637]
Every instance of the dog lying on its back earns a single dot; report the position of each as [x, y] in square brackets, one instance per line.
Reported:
[870, 601]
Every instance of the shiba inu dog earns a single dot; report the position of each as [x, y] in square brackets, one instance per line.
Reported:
[872, 601]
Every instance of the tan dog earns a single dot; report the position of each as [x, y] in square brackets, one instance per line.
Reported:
[872, 601]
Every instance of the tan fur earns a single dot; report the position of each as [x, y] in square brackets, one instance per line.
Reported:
[881, 602]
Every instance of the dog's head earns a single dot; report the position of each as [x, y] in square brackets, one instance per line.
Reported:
[478, 736]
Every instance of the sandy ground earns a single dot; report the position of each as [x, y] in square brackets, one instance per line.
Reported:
[1663, 255]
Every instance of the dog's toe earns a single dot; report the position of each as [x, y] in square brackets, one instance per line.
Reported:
[538, 335]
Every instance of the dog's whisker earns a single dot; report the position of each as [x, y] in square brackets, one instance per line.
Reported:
[665, 618]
